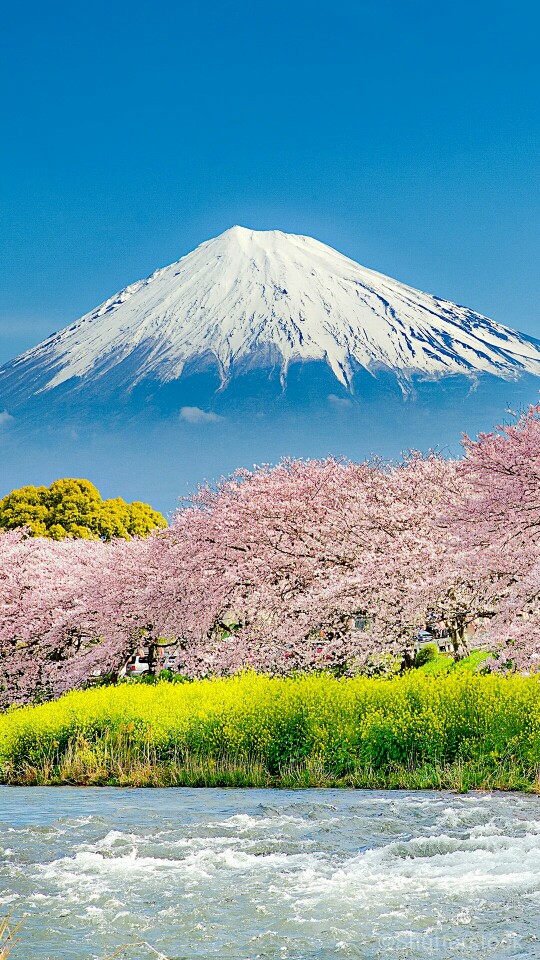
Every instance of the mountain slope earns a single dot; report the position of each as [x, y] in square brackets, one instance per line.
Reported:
[255, 346]
[249, 299]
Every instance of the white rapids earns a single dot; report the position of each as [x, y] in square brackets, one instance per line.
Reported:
[253, 874]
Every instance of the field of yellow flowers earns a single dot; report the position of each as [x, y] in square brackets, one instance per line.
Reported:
[416, 731]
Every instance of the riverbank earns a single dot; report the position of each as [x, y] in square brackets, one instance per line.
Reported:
[458, 732]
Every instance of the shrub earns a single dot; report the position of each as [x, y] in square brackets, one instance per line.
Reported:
[426, 654]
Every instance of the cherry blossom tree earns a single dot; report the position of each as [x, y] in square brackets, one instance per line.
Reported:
[499, 526]
[270, 569]
[296, 550]
[59, 618]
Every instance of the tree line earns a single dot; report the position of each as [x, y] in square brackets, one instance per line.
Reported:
[271, 568]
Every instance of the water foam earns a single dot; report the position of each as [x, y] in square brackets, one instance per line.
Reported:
[220, 874]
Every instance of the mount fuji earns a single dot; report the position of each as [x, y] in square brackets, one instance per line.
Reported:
[255, 345]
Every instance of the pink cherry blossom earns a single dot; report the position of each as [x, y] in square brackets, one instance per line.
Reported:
[270, 568]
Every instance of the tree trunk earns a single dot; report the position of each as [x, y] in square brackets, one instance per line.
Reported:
[456, 632]
[407, 661]
[151, 658]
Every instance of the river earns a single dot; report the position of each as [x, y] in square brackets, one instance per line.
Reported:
[261, 874]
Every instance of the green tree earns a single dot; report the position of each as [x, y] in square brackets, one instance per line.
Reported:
[75, 508]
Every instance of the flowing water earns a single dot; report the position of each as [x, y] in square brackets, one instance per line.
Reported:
[249, 874]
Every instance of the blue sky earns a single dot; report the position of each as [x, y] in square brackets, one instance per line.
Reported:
[404, 134]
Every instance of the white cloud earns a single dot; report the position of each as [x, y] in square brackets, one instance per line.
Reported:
[196, 415]
[339, 401]
[5, 418]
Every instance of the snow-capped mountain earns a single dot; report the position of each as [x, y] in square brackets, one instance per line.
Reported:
[249, 299]
[255, 346]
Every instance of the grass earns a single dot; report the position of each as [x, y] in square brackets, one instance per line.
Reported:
[444, 664]
[8, 935]
[9, 940]
[456, 730]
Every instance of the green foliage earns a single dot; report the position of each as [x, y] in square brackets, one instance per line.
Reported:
[426, 654]
[75, 508]
[443, 664]
[458, 730]
[473, 662]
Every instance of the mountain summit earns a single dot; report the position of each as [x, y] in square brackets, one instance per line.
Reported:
[255, 346]
[250, 299]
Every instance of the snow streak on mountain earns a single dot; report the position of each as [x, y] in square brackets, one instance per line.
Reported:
[256, 299]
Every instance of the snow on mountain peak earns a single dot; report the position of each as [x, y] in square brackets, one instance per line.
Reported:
[257, 298]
